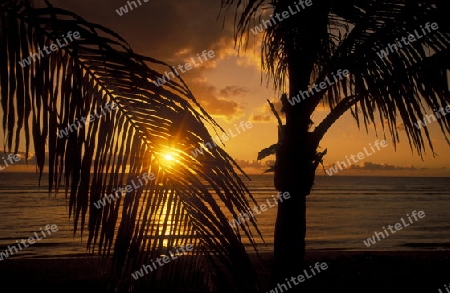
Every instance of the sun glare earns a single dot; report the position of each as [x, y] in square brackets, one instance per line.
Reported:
[168, 157]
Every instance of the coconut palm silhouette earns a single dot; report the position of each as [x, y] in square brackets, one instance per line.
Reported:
[123, 158]
[389, 81]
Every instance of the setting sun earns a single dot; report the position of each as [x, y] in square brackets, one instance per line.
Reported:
[168, 157]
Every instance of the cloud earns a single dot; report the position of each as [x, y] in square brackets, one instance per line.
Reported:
[260, 118]
[264, 114]
[254, 166]
[165, 29]
[208, 96]
[374, 166]
[233, 91]
[251, 163]
[174, 32]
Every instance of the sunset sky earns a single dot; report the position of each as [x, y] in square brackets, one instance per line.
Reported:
[232, 88]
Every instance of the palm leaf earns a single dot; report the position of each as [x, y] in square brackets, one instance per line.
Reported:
[402, 88]
[190, 199]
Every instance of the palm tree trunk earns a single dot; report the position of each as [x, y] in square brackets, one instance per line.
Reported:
[290, 226]
[296, 158]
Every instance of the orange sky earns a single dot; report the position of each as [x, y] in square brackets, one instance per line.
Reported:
[229, 85]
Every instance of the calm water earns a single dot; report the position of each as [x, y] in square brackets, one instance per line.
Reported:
[341, 213]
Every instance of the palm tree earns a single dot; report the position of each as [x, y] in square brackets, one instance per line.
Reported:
[89, 105]
[327, 36]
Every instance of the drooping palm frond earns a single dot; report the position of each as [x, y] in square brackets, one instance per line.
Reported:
[400, 87]
[153, 131]
[403, 87]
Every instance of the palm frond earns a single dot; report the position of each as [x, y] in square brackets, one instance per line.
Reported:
[190, 199]
[401, 87]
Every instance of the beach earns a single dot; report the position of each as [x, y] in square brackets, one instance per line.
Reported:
[419, 271]
[376, 271]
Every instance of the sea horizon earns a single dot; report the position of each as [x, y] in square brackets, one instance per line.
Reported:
[342, 212]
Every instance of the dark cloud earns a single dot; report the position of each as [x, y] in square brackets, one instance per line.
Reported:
[173, 31]
[208, 97]
[255, 166]
[233, 91]
[261, 118]
[374, 166]
[169, 30]
[264, 113]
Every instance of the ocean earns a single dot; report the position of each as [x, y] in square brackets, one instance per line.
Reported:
[342, 212]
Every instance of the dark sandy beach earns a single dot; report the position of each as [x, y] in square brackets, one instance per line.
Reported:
[412, 271]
